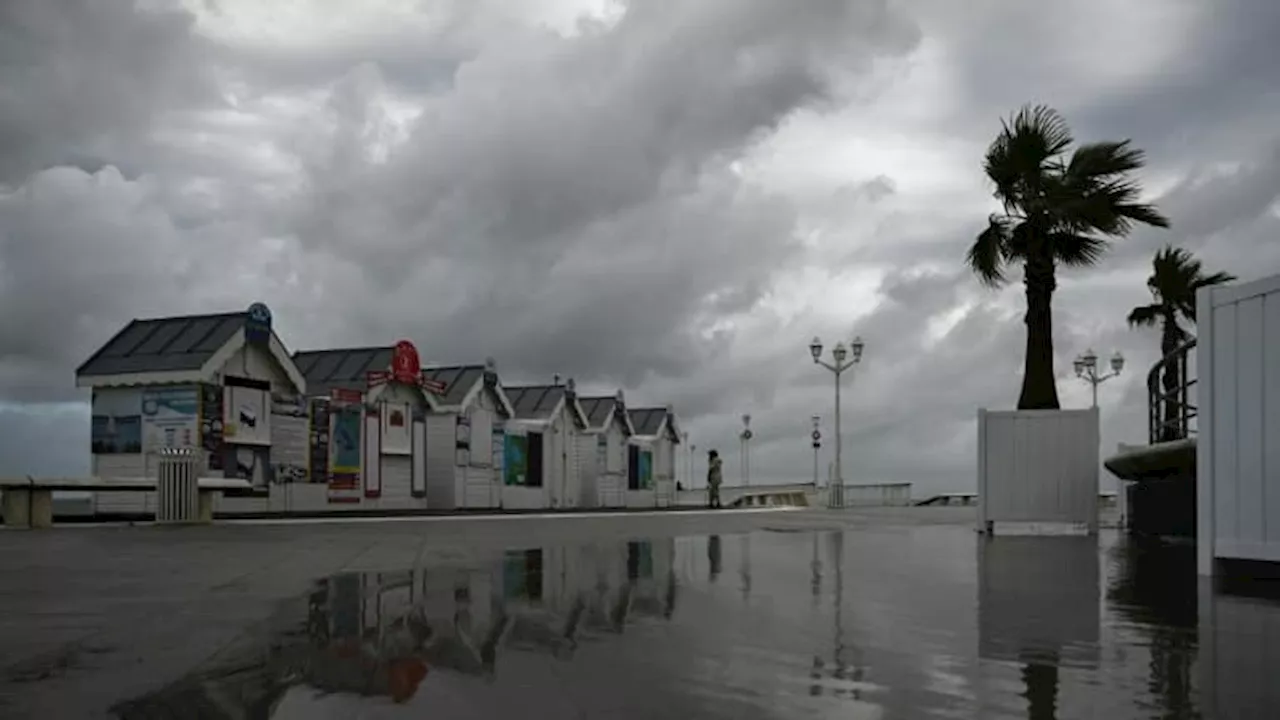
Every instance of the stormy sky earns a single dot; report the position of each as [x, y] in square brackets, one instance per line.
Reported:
[669, 197]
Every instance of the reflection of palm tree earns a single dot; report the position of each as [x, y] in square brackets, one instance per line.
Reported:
[1155, 589]
[1040, 678]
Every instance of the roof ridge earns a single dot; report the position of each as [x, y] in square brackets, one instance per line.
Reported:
[344, 349]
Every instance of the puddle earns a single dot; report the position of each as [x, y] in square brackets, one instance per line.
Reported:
[930, 623]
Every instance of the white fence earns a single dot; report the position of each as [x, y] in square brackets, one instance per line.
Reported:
[1038, 466]
[1238, 406]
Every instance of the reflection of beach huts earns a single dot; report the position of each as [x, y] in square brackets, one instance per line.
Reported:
[542, 448]
[368, 409]
[602, 451]
[465, 437]
[651, 453]
[211, 383]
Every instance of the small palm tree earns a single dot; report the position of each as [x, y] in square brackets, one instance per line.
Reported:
[1176, 275]
[1057, 211]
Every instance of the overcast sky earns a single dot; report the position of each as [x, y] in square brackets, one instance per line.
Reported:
[669, 197]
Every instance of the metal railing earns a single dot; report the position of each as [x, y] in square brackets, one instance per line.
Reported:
[1171, 410]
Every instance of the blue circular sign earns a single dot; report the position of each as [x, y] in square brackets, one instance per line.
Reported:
[260, 313]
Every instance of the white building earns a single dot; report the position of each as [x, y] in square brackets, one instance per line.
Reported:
[367, 416]
[545, 433]
[651, 457]
[602, 451]
[465, 437]
[210, 383]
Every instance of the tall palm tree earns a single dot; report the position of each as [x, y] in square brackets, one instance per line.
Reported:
[1176, 275]
[1058, 210]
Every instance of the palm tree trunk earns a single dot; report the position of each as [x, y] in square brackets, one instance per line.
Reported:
[1170, 381]
[1039, 387]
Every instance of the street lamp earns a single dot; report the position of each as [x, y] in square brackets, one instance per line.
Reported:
[844, 359]
[1087, 370]
[745, 459]
[817, 443]
[688, 461]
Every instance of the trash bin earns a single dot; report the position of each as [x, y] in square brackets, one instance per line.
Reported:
[177, 487]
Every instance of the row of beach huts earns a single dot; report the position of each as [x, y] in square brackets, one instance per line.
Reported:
[367, 428]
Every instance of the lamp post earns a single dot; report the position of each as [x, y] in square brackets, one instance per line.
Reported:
[843, 360]
[688, 460]
[817, 443]
[1087, 370]
[746, 449]
[693, 463]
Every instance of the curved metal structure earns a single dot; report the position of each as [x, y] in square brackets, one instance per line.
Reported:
[1171, 404]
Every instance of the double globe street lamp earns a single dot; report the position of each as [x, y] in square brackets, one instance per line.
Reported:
[842, 359]
[1087, 370]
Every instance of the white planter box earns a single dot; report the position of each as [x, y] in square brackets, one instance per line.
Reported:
[1038, 466]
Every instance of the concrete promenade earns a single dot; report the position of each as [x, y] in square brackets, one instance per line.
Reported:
[90, 615]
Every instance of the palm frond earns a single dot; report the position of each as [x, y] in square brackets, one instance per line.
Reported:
[1025, 152]
[1145, 315]
[1105, 159]
[989, 252]
[1076, 250]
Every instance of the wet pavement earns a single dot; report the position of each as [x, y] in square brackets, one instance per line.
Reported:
[894, 614]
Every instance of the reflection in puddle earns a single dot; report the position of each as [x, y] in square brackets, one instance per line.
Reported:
[909, 623]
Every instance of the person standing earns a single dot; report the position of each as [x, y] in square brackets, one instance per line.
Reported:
[715, 476]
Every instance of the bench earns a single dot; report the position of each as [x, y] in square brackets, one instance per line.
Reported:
[28, 502]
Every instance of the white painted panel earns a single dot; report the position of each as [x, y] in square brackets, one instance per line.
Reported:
[418, 482]
[397, 480]
[1039, 466]
[1225, 409]
[1238, 464]
[615, 450]
[1271, 419]
[1249, 420]
[372, 456]
[440, 467]
[481, 437]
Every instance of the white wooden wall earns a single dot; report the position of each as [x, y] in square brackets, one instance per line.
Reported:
[1238, 406]
[1038, 466]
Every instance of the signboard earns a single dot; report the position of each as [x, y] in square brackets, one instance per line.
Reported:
[318, 460]
[345, 449]
[170, 417]
[396, 424]
[211, 440]
[257, 325]
[515, 460]
[116, 421]
[290, 441]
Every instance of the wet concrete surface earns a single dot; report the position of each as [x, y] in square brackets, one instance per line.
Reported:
[862, 613]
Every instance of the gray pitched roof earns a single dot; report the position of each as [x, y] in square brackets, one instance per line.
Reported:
[163, 344]
[344, 368]
[458, 380]
[534, 402]
[647, 421]
[597, 409]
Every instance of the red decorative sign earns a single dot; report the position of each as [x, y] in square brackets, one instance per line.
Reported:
[431, 385]
[343, 395]
[405, 367]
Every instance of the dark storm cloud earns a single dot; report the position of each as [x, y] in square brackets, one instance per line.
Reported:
[81, 81]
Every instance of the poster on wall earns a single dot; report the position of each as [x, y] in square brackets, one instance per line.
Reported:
[646, 470]
[170, 418]
[318, 470]
[248, 462]
[211, 440]
[246, 416]
[345, 450]
[396, 424]
[462, 441]
[602, 453]
[116, 424]
[515, 460]
[290, 439]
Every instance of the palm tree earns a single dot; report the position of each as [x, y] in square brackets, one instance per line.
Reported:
[1176, 275]
[1057, 211]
